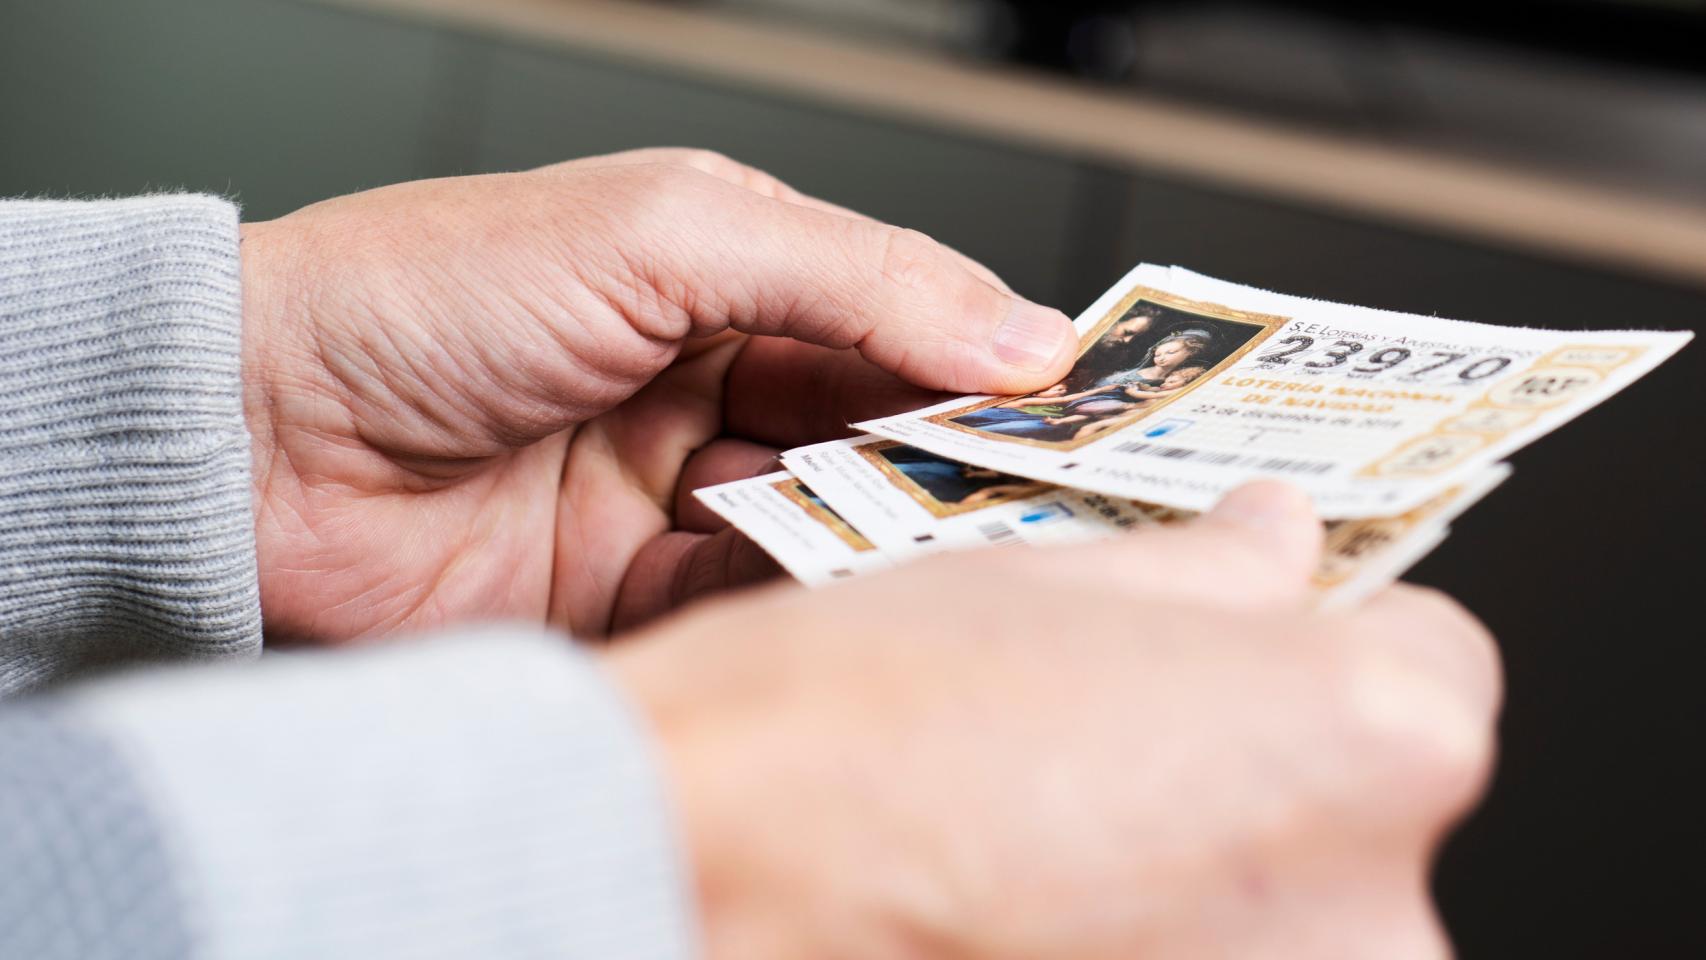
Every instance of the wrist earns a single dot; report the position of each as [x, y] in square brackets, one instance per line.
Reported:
[260, 254]
[276, 364]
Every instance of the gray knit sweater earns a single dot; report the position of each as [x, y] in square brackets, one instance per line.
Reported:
[474, 796]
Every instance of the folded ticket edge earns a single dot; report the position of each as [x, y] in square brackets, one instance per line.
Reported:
[896, 511]
[816, 546]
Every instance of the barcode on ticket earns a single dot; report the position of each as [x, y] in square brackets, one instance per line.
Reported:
[1216, 459]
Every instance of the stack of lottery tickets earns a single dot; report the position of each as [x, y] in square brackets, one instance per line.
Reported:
[1184, 388]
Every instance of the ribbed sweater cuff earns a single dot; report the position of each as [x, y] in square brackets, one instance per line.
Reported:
[488, 795]
[126, 529]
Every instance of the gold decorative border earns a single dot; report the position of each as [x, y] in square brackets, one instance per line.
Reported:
[1479, 441]
[1268, 322]
[841, 528]
[873, 453]
[1445, 428]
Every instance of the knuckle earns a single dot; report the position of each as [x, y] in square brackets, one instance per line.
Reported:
[703, 160]
[943, 305]
[662, 201]
[911, 261]
[1454, 643]
[664, 186]
[1437, 606]
[1411, 729]
[730, 170]
[1443, 609]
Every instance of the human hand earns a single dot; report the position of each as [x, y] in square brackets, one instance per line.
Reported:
[489, 396]
[1078, 753]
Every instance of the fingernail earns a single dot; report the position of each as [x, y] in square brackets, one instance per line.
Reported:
[1033, 336]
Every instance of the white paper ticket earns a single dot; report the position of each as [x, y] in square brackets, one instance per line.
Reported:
[911, 503]
[1186, 387]
[792, 524]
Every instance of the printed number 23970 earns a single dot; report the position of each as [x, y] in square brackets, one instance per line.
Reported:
[1383, 360]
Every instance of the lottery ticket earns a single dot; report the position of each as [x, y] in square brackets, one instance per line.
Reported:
[795, 526]
[1186, 387]
[1377, 569]
[911, 503]
[1359, 557]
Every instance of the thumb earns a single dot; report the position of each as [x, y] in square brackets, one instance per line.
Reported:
[907, 303]
[1273, 520]
[1258, 547]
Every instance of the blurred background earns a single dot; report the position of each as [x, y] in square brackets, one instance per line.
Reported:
[1523, 163]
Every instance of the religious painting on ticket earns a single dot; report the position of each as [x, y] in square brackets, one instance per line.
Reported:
[1149, 350]
[942, 486]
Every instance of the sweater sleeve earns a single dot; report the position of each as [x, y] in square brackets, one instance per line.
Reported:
[126, 529]
[486, 795]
